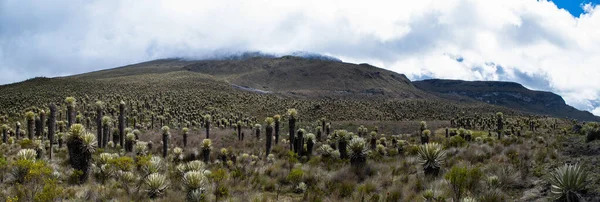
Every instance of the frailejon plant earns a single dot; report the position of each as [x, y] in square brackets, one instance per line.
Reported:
[121, 122]
[206, 148]
[99, 121]
[292, 113]
[70, 101]
[257, 130]
[165, 140]
[80, 145]
[277, 119]
[310, 144]
[358, 152]
[500, 124]
[106, 122]
[342, 139]
[30, 117]
[195, 183]
[568, 182]
[156, 184]
[129, 141]
[269, 134]
[207, 120]
[184, 132]
[299, 144]
[431, 156]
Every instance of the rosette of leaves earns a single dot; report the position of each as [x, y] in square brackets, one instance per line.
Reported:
[81, 145]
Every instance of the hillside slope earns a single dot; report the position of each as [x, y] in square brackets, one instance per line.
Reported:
[507, 94]
[290, 75]
[181, 90]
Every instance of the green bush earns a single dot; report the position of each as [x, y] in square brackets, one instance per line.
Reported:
[455, 141]
[462, 179]
[295, 176]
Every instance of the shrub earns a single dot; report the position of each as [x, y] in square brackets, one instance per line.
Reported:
[462, 178]
[456, 141]
[568, 181]
[295, 176]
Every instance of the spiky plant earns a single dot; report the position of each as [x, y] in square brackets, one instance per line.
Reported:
[425, 136]
[129, 141]
[239, 129]
[18, 130]
[80, 145]
[373, 140]
[257, 130]
[184, 132]
[70, 101]
[342, 139]
[4, 133]
[310, 144]
[568, 181]
[30, 117]
[165, 140]
[195, 166]
[299, 144]
[423, 126]
[500, 124]
[269, 134]
[194, 181]
[177, 154]
[358, 149]
[106, 122]
[154, 165]
[431, 156]
[25, 158]
[99, 116]
[206, 148]
[42, 117]
[207, 120]
[141, 148]
[156, 184]
[277, 119]
[121, 123]
[292, 113]
[52, 128]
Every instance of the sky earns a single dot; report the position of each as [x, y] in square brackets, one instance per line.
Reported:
[544, 45]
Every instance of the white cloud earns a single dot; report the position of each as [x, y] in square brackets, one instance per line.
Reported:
[526, 41]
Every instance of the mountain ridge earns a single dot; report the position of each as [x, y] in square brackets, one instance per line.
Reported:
[326, 82]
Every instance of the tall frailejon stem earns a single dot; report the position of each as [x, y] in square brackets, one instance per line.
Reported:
[185, 136]
[121, 122]
[299, 142]
[269, 134]
[292, 113]
[18, 130]
[239, 130]
[30, 117]
[52, 126]
[70, 101]
[106, 122]
[42, 122]
[500, 117]
[99, 115]
[4, 133]
[165, 140]
[277, 119]
[81, 145]
[207, 120]
[257, 130]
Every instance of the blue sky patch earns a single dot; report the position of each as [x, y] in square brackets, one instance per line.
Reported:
[574, 6]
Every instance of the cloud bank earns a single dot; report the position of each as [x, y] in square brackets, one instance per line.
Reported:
[527, 41]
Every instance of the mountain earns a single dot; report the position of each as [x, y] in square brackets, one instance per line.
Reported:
[260, 86]
[507, 94]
